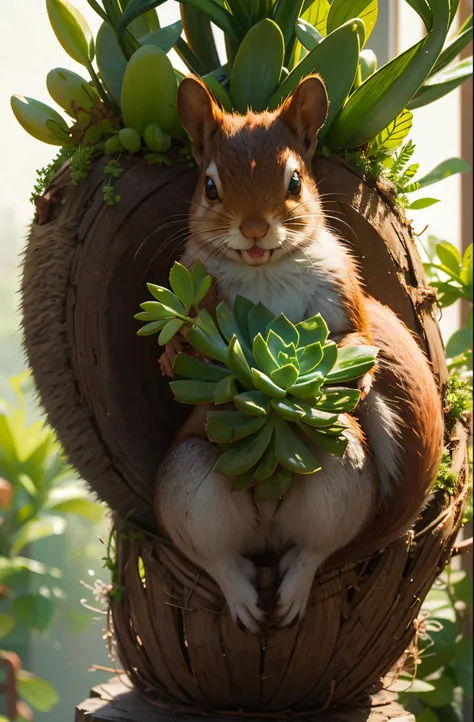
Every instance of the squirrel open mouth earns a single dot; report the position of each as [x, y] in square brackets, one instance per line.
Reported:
[256, 256]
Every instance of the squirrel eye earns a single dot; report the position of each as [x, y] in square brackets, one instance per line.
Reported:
[294, 187]
[211, 190]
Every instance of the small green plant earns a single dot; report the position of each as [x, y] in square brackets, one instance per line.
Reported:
[281, 377]
[37, 490]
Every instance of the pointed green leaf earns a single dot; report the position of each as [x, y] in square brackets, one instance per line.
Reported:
[238, 364]
[225, 390]
[169, 331]
[182, 284]
[308, 389]
[192, 368]
[275, 487]
[150, 328]
[227, 323]
[72, 30]
[450, 257]
[264, 384]
[40, 694]
[316, 12]
[285, 330]
[193, 392]
[268, 463]
[164, 38]
[310, 357]
[226, 427]
[388, 91]
[284, 376]
[292, 452]
[317, 417]
[352, 363]
[442, 83]
[242, 482]
[313, 330]
[462, 38]
[243, 455]
[258, 319]
[206, 345]
[205, 322]
[343, 10]
[367, 63]
[253, 403]
[110, 60]
[335, 445]
[166, 297]
[287, 409]
[262, 355]
[421, 203]
[158, 311]
[241, 310]
[276, 346]
[338, 399]
[394, 134]
[444, 170]
[307, 34]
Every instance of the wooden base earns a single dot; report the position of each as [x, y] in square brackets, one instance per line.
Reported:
[116, 702]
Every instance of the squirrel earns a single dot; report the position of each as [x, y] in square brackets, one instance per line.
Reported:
[258, 226]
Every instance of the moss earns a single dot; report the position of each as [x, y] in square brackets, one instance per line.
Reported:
[446, 478]
[45, 175]
[458, 398]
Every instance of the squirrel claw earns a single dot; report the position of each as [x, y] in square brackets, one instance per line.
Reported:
[364, 385]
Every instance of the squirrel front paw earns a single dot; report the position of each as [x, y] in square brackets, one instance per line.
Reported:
[364, 384]
[167, 358]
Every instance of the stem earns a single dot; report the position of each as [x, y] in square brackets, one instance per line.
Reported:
[96, 7]
[107, 100]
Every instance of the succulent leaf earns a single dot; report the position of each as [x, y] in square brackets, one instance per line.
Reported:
[253, 403]
[226, 427]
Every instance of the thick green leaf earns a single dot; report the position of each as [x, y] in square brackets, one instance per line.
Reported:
[164, 38]
[253, 403]
[201, 290]
[277, 346]
[308, 36]
[462, 663]
[316, 13]
[263, 356]
[367, 63]
[158, 311]
[243, 482]
[110, 60]
[238, 364]
[182, 284]
[459, 343]
[291, 452]
[388, 91]
[307, 389]
[72, 30]
[343, 10]
[317, 417]
[199, 37]
[268, 463]
[336, 59]
[193, 392]
[34, 610]
[40, 694]
[264, 384]
[462, 38]
[192, 368]
[225, 427]
[275, 487]
[335, 445]
[395, 133]
[227, 323]
[37, 529]
[424, 11]
[285, 376]
[258, 319]
[206, 323]
[310, 357]
[243, 455]
[151, 328]
[241, 310]
[7, 622]
[206, 345]
[225, 390]
[313, 330]
[287, 409]
[283, 328]
[255, 76]
[169, 331]
[165, 297]
[339, 399]
[352, 363]
[285, 14]
[450, 257]
[439, 85]
[421, 203]
[444, 170]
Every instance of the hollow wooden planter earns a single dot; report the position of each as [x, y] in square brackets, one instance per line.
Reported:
[85, 270]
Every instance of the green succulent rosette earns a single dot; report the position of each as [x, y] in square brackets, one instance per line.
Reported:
[282, 378]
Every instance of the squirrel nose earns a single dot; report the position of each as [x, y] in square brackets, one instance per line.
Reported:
[254, 228]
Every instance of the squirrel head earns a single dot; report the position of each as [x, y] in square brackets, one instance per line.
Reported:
[256, 200]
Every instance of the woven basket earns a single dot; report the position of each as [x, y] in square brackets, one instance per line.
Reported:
[85, 271]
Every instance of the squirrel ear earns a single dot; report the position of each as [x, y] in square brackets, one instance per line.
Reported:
[198, 112]
[306, 111]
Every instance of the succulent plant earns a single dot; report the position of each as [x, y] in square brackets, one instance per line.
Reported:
[282, 379]
[271, 45]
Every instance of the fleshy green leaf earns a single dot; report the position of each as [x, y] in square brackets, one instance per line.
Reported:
[190, 367]
[285, 330]
[276, 346]
[317, 417]
[275, 487]
[328, 442]
[238, 364]
[339, 399]
[199, 340]
[227, 323]
[165, 297]
[164, 38]
[40, 694]
[307, 388]
[258, 319]
[421, 203]
[287, 409]
[292, 452]
[205, 322]
[110, 60]
[169, 331]
[242, 482]
[268, 463]
[150, 328]
[193, 392]
[182, 284]
[310, 357]
[225, 390]
[352, 363]
[308, 36]
[253, 403]
[72, 30]
[243, 455]
[442, 83]
[225, 427]
[343, 10]
[450, 257]
[158, 310]
[285, 376]
[264, 384]
[263, 356]
[317, 14]
[313, 330]
[34, 610]
[241, 310]
[444, 170]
